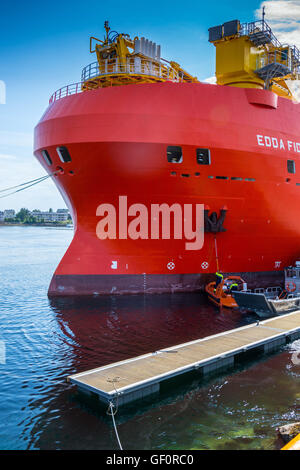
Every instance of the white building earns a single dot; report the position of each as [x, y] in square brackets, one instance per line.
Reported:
[61, 215]
[9, 214]
[1, 216]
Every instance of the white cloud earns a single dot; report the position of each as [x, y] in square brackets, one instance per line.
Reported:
[211, 80]
[284, 18]
[294, 86]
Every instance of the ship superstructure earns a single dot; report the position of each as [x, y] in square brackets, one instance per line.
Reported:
[249, 55]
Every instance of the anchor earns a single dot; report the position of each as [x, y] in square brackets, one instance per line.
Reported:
[213, 223]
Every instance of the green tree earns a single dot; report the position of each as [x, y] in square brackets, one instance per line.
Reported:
[23, 215]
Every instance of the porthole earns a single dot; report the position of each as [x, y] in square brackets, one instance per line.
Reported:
[63, 154]
[46, 157]
[174, 154]
[291, 168]
[203, 156]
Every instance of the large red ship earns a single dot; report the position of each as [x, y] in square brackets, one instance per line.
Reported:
[140, 131]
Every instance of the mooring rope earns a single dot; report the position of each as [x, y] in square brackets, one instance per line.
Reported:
[26, 185]
[111, 412]
[216, 250]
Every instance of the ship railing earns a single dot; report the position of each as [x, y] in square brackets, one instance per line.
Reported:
[261, 27]
[283, 57]
[286, 55]
[296, 57]
[133, 65]
[67, 90]
[247, 29]
[272, 290]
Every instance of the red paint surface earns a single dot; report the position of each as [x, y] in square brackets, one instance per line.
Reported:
[117, 138]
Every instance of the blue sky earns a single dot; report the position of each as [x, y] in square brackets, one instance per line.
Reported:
[44, 45]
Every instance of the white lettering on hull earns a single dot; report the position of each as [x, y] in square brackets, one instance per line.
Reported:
[277, 143]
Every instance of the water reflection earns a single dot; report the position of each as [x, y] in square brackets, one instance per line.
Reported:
[222, 412]
[109, 329]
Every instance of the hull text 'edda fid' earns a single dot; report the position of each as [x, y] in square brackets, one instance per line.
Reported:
[167, 178]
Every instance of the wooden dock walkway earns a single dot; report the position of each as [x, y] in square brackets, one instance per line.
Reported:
[141, 376]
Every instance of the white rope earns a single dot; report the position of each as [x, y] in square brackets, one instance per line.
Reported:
[24, 186]
[111, 407]
[112, 413]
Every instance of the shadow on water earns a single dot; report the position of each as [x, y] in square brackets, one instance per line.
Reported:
[110, 329]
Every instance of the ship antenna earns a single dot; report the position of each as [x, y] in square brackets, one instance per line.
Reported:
[263, 14]
[107, 29]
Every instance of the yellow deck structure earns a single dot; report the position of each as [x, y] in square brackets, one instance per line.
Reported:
[123, 61]
[249, 55]
[141, 376]
[294, 444]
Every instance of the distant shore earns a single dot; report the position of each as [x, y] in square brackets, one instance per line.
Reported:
[41, 224]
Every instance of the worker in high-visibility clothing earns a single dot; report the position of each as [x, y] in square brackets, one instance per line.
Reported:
[234, 286]
[219, 278]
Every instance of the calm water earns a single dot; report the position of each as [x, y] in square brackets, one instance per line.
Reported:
[46, 341]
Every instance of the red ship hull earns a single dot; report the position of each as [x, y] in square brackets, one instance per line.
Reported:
[117, 139]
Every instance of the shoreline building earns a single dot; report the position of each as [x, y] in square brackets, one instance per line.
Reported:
[61, 215]
[9, 214]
